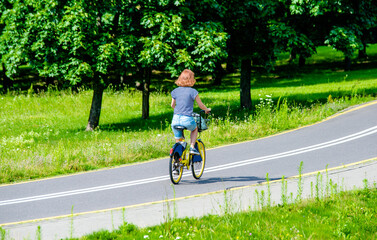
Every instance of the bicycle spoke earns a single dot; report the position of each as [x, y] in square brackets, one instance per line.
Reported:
[175, 169]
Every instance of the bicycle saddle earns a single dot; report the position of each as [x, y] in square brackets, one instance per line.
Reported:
[180, 127]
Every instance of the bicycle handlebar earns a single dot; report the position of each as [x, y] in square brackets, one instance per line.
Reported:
[202, 111]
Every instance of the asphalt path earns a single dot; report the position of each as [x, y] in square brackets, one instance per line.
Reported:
[343, 139]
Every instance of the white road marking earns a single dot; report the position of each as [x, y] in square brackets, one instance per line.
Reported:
[82, 191]
[338, 141]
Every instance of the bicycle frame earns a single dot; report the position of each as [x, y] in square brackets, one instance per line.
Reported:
[181, 158]
[185, 157]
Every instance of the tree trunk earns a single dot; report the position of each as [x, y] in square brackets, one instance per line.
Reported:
[292, 56]
[49, 81]
[7, 82]
[363, 51]
[245, 83]
[347, 63]
[95, 110]
[230, 64]
[218, 74]
[301, 61]
[147, 74]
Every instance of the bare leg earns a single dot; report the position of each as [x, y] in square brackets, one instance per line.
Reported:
[181, 139]
[193, 136]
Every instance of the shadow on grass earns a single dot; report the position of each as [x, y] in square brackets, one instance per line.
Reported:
[232, 110]
[154, 122]
[162, 121]
[292, 76]
[284, 76]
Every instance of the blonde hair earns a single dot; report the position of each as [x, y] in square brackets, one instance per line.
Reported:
[186, 79]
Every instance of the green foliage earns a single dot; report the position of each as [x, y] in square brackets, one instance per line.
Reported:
[89, 42]
[11, 48]
[287, 39]
[312, 7]
[344, 24]
[344, 40]
[85, 40]
[175, 40]
[70, 41]
[247, 23]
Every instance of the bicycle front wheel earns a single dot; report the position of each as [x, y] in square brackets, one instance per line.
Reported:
[197, 167]
[175, 169]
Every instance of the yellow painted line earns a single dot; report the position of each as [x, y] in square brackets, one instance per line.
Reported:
[314, 173]
[351, 110]
[232, 144]
[187, 197]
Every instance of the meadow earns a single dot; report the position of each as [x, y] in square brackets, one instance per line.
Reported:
[43, 133]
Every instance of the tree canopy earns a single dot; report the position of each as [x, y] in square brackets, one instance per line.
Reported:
[87, 42]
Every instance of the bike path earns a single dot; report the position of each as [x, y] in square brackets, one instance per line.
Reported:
[347, 138]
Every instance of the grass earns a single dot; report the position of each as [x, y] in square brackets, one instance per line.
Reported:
[329, 213]
[346, 215]
[42, 134]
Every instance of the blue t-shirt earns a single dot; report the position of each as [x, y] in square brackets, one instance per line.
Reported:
[184, 97]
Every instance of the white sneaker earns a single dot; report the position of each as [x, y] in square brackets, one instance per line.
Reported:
[193, 151]
[184, 144]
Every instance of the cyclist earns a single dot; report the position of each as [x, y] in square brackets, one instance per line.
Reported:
[183, 98]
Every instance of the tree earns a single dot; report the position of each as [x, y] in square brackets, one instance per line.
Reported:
[247, 23]
[366, 12]
[352, 22]
[344, 24]
[286, 39]
[293, 29]
[173, 38]
[74, 41]
[362, 16]
[344, 40]
[4, 5]
[87, 41]
[8, 56]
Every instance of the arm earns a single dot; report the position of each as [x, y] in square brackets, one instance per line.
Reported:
[201, 105]
[172, 103]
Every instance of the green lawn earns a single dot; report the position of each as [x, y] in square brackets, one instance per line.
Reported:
[43, 135]
[345, 215]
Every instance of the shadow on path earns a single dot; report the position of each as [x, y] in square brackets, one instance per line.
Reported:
[248, 179]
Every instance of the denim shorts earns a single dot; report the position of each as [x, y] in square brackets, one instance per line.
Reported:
[181, 120]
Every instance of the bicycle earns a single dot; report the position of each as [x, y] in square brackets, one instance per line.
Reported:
[180, 157]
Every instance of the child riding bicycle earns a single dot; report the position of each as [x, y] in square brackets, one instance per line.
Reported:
[183, 98]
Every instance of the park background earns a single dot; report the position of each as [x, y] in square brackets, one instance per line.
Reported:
[261, 65]
[85, 84]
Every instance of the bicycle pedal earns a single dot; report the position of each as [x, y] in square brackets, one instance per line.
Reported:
[185, 162]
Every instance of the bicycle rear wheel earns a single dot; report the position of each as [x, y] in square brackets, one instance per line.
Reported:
[175, 168]
[197, 167]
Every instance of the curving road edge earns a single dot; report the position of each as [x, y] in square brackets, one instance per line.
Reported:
[345, 177]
